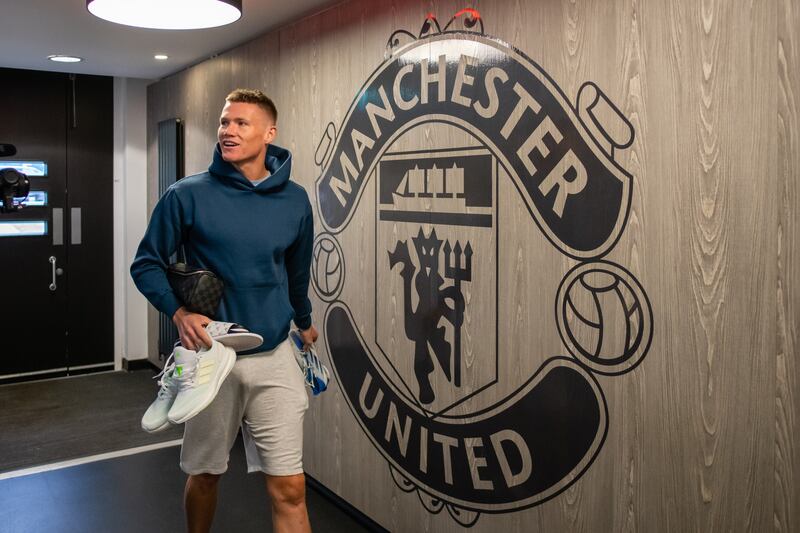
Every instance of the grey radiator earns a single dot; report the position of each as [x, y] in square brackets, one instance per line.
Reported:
[170, 169]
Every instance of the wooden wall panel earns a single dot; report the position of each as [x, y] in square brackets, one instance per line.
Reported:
[702, 435]
[787, 392]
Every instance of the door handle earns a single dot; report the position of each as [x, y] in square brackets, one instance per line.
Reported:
[56, 272]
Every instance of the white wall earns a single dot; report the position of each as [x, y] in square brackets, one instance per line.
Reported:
[130, 215]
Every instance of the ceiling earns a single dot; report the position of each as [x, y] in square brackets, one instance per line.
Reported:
[31, 30]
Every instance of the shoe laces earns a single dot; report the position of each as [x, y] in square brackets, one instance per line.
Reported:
[186, 378]
[166, 377]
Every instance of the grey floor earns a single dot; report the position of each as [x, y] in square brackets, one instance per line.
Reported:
[62, 419]
[143, 493]
[59, 419]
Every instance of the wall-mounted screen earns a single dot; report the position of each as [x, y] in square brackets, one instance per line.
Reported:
[34, 199]
[29, 168]
[23, 228]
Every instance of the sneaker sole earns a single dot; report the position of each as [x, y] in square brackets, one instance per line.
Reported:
[162, 427]
[240, 342]
[217, 385]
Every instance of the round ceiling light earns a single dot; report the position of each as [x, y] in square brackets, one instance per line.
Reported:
[167, 14]
[60, 58]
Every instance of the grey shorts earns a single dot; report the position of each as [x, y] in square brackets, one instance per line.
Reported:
[266, 396]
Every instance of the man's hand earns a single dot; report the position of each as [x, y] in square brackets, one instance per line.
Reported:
[309, 337]
[191, 328]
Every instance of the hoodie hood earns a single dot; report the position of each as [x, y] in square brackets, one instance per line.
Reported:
[278, 162]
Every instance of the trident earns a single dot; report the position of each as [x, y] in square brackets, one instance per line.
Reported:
[453, 270]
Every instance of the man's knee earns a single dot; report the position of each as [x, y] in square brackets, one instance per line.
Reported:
[203, 482]
[287, 491]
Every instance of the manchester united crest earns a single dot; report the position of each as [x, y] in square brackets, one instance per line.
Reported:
[459, 183]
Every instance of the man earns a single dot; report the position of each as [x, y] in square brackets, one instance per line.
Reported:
[245, 221]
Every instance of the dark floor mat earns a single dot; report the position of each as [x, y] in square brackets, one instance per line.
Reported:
[55, 420]
[144, 492]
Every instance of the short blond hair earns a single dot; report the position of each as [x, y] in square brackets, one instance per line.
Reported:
[254, 96]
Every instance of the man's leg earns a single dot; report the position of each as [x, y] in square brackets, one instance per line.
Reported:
[288, 497]
[200, 499]
[273, 435]
[207, 441]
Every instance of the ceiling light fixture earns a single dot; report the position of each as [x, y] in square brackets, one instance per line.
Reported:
[60, 58]
[167, 14]
[161, 57]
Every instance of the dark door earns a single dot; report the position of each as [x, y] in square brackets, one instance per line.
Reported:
[90, 182]
[33, 308]
[56, 259]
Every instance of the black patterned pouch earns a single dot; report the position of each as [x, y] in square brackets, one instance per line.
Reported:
[199, 290]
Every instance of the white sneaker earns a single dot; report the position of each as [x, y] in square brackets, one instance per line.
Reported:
[199, 376]
[315, 373]
[234, 335]
[155, 418]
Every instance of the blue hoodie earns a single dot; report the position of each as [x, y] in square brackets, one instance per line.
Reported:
[257, 239]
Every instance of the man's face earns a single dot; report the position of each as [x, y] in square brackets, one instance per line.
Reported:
[244, 131]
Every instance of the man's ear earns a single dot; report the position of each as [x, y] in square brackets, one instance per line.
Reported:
[270, 134]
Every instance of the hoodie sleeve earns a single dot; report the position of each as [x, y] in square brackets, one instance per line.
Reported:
[160, 242]
[298, 268]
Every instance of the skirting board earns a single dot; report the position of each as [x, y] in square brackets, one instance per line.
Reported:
[345, 506]
[138, 364]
